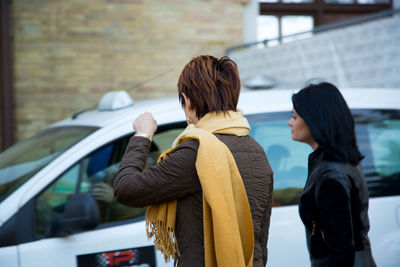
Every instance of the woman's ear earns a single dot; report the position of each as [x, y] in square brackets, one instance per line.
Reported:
[190, 112]
[188, 104]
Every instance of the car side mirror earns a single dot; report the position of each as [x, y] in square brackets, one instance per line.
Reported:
[81, 213]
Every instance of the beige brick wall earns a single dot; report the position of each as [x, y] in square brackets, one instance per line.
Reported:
[68, 53]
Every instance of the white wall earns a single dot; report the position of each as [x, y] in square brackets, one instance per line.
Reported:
[362, 55]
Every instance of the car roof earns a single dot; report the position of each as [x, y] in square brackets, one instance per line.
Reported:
[102, 118]
[250, 102]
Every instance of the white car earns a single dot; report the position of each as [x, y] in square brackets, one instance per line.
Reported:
[48, 216]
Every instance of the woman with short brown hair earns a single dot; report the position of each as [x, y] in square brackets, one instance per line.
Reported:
[210, 195]
[211, 84]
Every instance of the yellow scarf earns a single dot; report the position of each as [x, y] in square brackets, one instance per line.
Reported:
[228, 226]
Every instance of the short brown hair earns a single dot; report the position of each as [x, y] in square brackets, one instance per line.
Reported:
[211, 84]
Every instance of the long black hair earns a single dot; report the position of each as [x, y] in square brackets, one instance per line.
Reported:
[331, 124]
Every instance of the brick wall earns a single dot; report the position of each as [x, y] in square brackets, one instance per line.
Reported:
[68, 53]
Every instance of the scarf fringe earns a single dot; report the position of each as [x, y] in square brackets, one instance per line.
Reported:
[164, 237]
[160, 219]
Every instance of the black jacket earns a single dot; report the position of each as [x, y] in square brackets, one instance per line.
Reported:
[334, 210]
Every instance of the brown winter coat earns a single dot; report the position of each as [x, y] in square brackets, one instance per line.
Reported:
[176, 179]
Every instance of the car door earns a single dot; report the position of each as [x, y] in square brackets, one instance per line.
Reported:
[377, 132]
[119, 239]
[288, 160]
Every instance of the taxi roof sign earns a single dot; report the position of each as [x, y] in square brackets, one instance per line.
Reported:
[115, 100]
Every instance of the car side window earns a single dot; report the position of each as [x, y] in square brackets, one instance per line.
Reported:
[50, 204]
[288, 158]
[94, 175]
[378, 134]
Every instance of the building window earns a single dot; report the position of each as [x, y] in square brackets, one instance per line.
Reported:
[279, 18]
[279, 28]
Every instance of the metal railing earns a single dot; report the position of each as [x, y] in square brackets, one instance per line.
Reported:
[321, 28]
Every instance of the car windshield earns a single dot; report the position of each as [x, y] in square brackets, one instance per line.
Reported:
[23, 160]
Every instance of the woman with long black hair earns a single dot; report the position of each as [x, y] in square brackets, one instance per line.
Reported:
[334, 203]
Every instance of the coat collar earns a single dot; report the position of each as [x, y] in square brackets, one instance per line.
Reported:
[314, 161]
